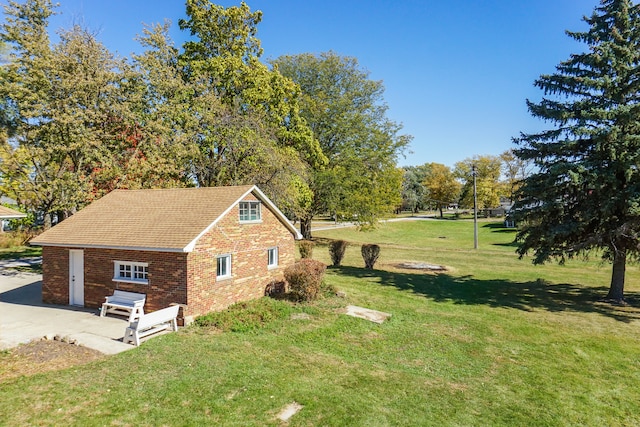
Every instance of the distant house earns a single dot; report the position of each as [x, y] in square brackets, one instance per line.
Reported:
[204, 248]
[8, 213]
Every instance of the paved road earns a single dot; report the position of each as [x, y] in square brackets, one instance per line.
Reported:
[325, 225]
[23, 317]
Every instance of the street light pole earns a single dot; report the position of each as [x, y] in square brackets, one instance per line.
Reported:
[475, 208]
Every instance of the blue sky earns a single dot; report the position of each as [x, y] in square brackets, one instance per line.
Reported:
[456, 72]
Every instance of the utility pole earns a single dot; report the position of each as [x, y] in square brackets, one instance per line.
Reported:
[474, 172]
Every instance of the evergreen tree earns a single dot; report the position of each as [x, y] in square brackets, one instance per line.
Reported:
[585, 195]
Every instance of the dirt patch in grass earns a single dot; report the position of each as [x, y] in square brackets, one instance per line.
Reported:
[43, 356]
[419, 266]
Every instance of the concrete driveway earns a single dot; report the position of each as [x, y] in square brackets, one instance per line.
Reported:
[23, 317]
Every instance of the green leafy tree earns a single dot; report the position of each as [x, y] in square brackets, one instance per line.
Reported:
[251, 130]
[29, 167]
[79, 126]
[585, 195]
[413, 189]
[488, 186]
[347, 113]
[442, 186]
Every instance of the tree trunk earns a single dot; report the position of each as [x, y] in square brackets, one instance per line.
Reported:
[305, 228]
[616, 290]
[46, 221]
[440, 207]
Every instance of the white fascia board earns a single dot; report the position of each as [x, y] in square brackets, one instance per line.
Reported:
[125, 248]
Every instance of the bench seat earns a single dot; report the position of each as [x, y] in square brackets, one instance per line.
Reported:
[152, 323]
[124, 303]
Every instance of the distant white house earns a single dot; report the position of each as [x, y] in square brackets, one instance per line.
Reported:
[7, 214]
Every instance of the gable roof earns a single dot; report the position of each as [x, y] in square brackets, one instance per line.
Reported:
[7, 213]
[168, 220]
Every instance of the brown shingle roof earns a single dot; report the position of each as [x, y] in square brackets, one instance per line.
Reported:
[162, 219]
[7, 213]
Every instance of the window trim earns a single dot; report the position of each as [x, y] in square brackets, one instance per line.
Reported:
[133, 270]
[258, 205]
[228, 274]
[276, 260]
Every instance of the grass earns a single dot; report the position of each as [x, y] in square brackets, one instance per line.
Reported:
[494, 341]
[20, 252]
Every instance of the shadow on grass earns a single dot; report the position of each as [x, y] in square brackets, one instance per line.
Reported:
[498, 227]
[525, 296]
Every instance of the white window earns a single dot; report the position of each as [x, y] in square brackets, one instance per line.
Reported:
[272, 254]
[223, 267]
[250, 211]
[133, 272]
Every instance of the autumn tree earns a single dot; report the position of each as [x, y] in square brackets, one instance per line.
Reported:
[80, 126]
[442, 186]
[584, 197]
[487, 170]
[347, 114]
[514, 170]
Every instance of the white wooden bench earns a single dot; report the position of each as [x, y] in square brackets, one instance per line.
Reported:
[152, 323]
[124, 303]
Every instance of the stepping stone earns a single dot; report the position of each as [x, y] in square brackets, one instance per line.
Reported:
[367, 314]
[289, 411]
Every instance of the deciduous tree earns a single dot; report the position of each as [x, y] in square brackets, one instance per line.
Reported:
[514, 170]
[442, 186]
[487, 169]
[585, 195]
[347, 113]
[253, 133]
[413, 189]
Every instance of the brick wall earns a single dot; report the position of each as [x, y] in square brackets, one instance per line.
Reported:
[168, 272]
[167, 276]
[247, 243]
[55, 275]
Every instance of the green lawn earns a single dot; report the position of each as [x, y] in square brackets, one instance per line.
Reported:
[494, 341]
[20, 252]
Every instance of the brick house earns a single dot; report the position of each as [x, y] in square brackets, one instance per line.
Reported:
[205, 248]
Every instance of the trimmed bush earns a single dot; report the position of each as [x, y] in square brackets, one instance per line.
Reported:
[305, 279]
[370, 254]
[336, 251]
[306, 248]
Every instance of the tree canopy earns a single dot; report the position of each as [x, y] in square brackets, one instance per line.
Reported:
[584, 196]
[347, 114]
[488, 187]
[442, 187]
[78, 122]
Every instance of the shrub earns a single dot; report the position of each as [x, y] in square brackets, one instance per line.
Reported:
[275, 288]
[370, 254]
[306, 248]
[336, 250]
[305, 279]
